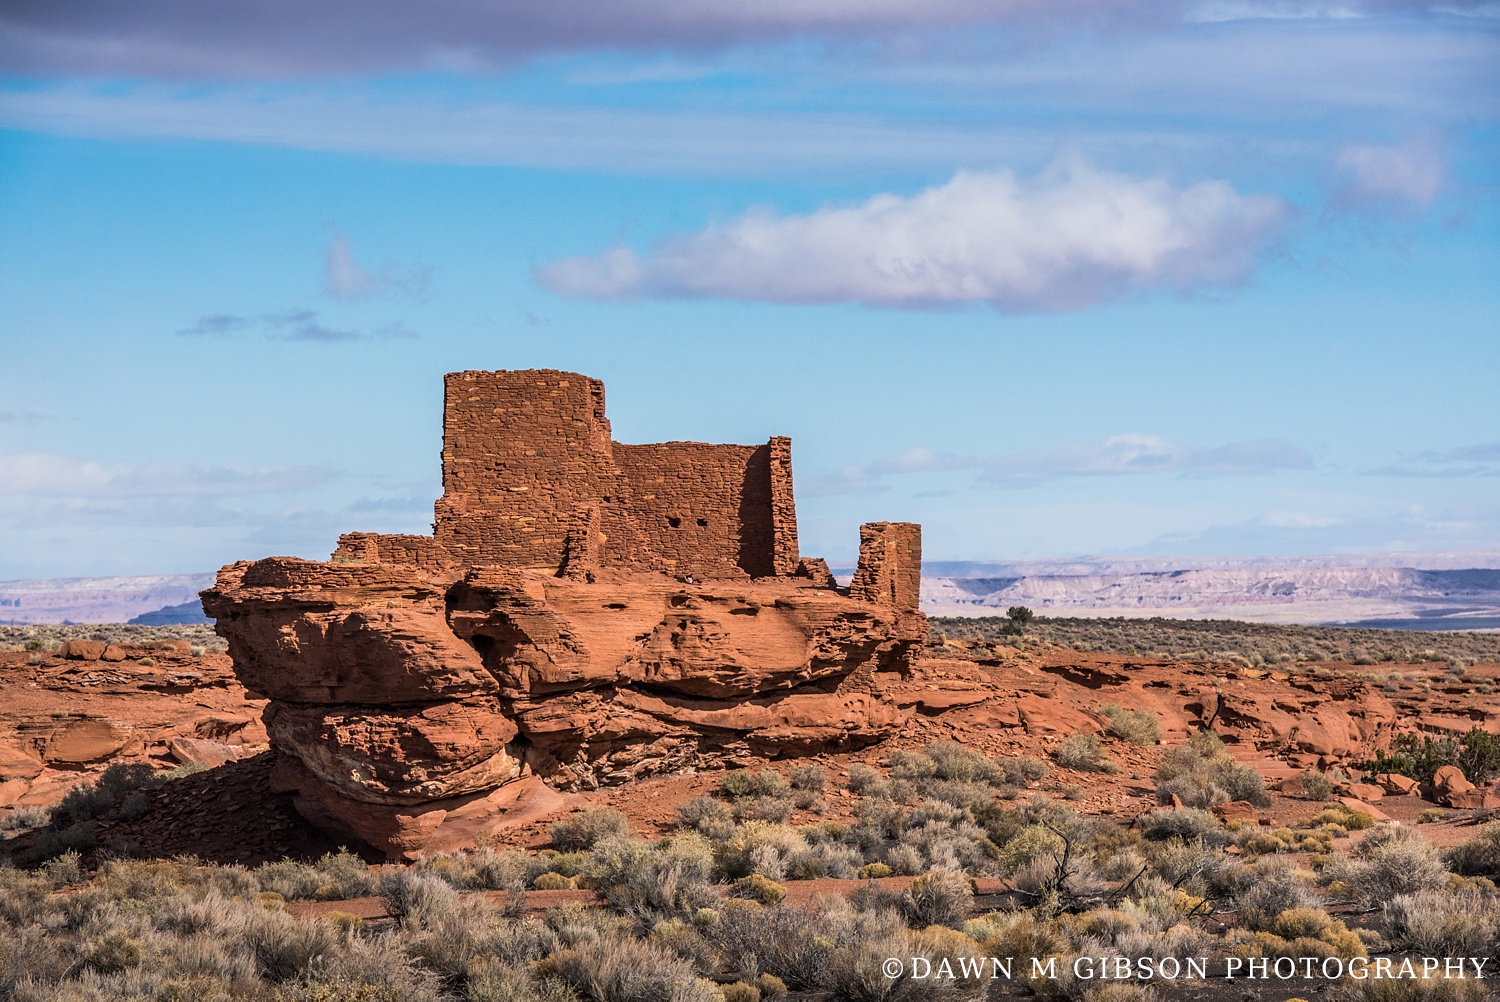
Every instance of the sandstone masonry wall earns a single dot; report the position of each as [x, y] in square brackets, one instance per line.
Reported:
[529, 469]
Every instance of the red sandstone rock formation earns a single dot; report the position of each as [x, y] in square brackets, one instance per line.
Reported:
[585, 611]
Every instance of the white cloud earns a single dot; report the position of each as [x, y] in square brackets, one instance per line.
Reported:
[344, 279]
[1412, 174]
[1068, 239]
[1130, 454]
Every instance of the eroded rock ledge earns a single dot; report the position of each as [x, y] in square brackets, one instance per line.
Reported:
[585, 613]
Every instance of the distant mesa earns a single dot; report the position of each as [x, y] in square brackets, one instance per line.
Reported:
[185, 614]
[585, 613]
[1254, 591]
[97, 599]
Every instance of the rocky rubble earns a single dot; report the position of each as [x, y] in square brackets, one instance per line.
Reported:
[67, 715]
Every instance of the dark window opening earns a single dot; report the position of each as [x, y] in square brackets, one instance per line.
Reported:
[703, 523]
[674, 521]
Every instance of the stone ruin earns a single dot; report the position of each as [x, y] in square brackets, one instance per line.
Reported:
[585, 612]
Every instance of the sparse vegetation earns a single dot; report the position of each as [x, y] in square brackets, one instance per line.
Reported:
[703, 915]
[50, 637]
[1255, 644]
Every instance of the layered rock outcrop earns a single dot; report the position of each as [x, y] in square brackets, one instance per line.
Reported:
[586, 612]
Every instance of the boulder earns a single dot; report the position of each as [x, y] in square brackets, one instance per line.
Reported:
[1395, 783]
[113, 652]
[83, 741]
[197, 751]
[1452, 789]
[12, 790]
[1355, 804]
[1236, 810]
[1368, 792]
[83, 650]
[18, 762]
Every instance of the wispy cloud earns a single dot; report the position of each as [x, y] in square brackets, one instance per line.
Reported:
[21, 417]
[344, 279]
[293, 325]
[1403, 177]
[1131, 454]
[48, 474]
[1070, 238]
[1471, 461]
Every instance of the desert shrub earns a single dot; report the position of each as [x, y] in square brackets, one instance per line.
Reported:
[771, 987]
[1479, 854]
[758, 888]
[952, 761]
[1016, 935]
[582, 829]
[1391, 860]
[334, 877]
[740, 992]
[1316, 785]
[826, 859]
[1201, 773]
[1081, 751]
[757, 846]
[673, 878]
[874, 871]
[776, 810]
[709, 815]
[64, 868]
[487, 869]
[939, 897]
[743, 783]
[1139, 727]
[808, 776]
[25, 818]
[789, 943]
[1437, 989]
[863, 778]
[88, 801]
[620, 968]
[416, 897]
[1184, 823]
[1272, 887]
[1448, 923]
[1020, 771]
[283, 947]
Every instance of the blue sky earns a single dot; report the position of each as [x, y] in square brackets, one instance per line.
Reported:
[1180, 279]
